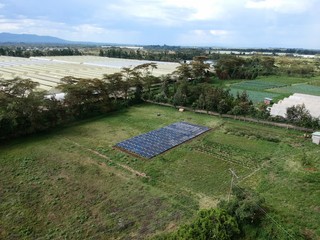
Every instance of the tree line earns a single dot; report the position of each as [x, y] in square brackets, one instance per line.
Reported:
[174, 54]
[27, 52]
[235, 67]
[24, 109]
[226, 66]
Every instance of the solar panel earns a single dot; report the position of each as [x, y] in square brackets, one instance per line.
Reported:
[151, 144]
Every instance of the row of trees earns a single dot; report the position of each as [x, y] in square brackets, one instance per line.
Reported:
[154, 53]
[231, 67]
[32, 52]
[205, 97]
[188, 86]
[24, 109]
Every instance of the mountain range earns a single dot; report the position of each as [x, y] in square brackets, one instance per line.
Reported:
[31, 38]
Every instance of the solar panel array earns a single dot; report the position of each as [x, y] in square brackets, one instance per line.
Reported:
[153, 143]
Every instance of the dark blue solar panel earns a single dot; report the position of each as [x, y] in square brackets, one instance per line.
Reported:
[158, 141]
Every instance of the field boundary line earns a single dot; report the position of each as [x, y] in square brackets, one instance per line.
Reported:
[240, 118]
[137, 173]
[221, 158]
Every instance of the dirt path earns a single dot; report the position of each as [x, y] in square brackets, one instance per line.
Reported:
[137, 173]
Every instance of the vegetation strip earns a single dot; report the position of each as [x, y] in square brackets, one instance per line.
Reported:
[241, 118]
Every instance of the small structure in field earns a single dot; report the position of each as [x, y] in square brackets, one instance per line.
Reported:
[267, 101]
[316, 138]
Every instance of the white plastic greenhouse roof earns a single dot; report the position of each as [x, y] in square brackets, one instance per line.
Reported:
[311, 102]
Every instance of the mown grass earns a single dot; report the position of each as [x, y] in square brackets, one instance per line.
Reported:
[55, 185]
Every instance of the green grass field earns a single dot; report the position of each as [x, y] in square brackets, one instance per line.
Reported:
[276, 87]
[71, 183]
[299, 88]
[258, 85]
[257, 96]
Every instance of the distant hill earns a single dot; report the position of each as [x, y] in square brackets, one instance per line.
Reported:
[30, 38]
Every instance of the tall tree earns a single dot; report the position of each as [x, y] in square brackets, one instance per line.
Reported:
[85, 96]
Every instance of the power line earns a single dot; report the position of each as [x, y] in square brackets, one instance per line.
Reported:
[232, 179]
[272, 219]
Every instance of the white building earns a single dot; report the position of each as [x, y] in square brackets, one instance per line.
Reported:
[316, 138]
[311, 102]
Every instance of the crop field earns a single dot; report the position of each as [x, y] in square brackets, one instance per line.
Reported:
[256, 96]
[276, 87]
[299, 88]
[286, 80]
[72, 184]
[257, 85]
[49, 70]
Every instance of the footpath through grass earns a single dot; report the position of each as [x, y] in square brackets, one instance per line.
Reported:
[72, 184]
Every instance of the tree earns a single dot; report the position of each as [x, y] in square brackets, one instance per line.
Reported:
[232, 67]
[200, 69]
[184, 71]
[247, 206]
[115, 85]
[301, 116]
[243, 104]
[85, 96]
[142, 78]
[21, 107]
[180, 97]
[214, 224]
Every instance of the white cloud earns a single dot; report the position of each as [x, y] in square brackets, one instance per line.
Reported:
[205, 37]
[198, 10]
[281, 6]
[173, 12]
[82, 32]
[219, 32]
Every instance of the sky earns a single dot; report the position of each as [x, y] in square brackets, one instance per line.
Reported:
[215, 23]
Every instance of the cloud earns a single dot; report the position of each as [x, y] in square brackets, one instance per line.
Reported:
[219, 32]
[81, 32]
[198, 10]
[178, 22]
[281, 6]
[204, 37]
[171, 12]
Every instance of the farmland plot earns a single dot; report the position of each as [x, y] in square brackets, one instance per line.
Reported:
[257, 85]
[49, 70]
[299, 88]
[255, 96]
[73, 184]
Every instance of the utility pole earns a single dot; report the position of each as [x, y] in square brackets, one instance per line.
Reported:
[232, 179]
